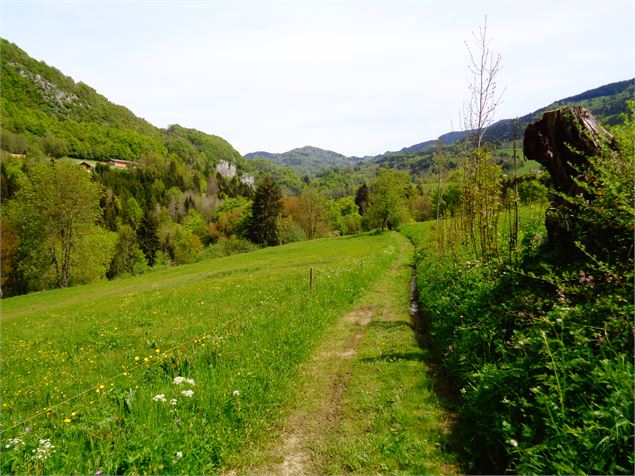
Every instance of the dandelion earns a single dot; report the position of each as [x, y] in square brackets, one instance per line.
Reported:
[173, 401]
[159, 398]
[67, 420]
[187, 393]
[137, 358]
[235, 393]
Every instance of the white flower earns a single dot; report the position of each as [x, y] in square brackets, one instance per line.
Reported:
[159, 398]
[514, 443]
[14, 442]
[190, 381]
[44, 451]
[179, 454]
[173, 401]
[179, 380]
[235, 393]
[187, 393]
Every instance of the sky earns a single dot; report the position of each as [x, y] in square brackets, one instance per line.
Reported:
[356, 77]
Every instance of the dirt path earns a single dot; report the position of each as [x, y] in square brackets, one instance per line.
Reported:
[328, 375]
[329, 417]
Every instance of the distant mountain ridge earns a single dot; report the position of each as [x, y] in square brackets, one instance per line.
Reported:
[606, 102]
[305, 160]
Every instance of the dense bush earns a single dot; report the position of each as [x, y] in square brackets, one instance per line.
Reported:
[541, 352]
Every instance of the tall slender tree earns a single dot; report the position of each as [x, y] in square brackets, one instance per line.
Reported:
[266, 212]
[148, 236]
[362, 198]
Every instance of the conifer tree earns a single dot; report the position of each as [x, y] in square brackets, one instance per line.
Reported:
[266, 211]
[148, 236]
[362, 198]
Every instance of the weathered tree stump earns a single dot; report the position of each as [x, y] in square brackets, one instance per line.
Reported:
[563, 141]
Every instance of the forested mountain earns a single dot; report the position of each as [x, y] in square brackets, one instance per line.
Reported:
[306, 160]
[45, 112]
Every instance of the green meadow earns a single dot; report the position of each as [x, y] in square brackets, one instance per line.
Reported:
[89, 374]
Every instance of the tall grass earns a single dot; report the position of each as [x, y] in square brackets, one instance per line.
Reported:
[539, 351]
[91, 370]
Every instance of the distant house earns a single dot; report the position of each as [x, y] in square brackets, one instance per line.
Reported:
[86, 166]
[119, 164]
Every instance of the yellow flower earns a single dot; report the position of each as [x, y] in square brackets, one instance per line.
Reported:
[145, 359]
[157, 350]
[74, 413]
[136, 357]
[101, 387]
[67, 420]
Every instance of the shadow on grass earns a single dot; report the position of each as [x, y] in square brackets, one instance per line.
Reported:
[442, 386]
[395, 357]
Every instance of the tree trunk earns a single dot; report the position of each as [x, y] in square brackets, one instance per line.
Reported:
[562, 141]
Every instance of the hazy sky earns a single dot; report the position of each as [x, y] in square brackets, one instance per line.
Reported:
[357, 77]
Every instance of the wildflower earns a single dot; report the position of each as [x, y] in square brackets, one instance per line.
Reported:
[190, 381]
[173, 401]
[67, 420]
[177, 420]
[98, 472]
[137, 358]
[187, 393]
[28, 429]
[44, 450]
[159, 398]
[513, 442]
[235, 393]
[179, 380]
[14, 442]
[179, 454]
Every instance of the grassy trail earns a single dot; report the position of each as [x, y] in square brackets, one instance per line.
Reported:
[367, 403]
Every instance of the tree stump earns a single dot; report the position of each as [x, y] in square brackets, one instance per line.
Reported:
[562, 141]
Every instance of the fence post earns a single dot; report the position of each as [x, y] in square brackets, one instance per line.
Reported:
[311, 278]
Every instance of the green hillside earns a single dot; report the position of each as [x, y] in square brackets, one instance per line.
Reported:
[305, 160]
[46, 112]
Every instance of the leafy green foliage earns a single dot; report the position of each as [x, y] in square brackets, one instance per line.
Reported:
[541, 352]
[388, 190]
[54, 213]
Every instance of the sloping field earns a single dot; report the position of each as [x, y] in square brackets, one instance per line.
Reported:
[89, 374]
